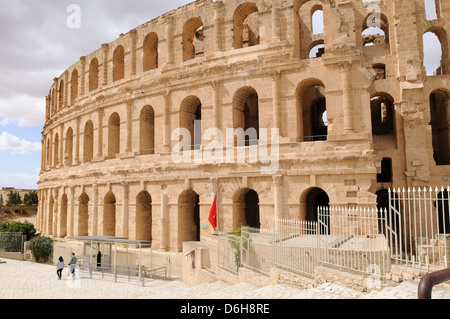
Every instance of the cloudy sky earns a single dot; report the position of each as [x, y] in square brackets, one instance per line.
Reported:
[37, 46]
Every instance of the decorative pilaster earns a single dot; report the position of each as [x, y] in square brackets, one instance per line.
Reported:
[347, 95]
[276, 76]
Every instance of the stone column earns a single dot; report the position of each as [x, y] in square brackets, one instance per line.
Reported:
[133, 35]
[128, 148]
[61, 145]
[215, 85]
[105, 48]
[169, 39]
[83, 75]
[125, 209]
[71, 217]
[94, 209]
[218, 28]
[100, 132]
[278, 196]
[166, 118]
[164, 241]
[347, 95]
[77, 143]
[276, 76]
[276, 27]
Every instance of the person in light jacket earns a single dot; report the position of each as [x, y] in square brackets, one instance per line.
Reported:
[59, 267]
[73, 264]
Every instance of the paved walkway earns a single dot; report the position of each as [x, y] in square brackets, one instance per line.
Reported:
[27, 280]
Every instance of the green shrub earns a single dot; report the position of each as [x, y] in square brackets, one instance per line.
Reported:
[26, 228]
[42, 248]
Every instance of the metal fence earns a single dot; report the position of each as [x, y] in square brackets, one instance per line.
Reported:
[12, 242]
[420, 219]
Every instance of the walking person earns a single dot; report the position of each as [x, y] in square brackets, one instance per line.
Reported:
[59, 267]
[73, 264]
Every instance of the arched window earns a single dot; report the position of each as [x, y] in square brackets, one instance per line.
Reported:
[191, 119]
[147, 131]
[193, 39]
[246, 26]
[150, 52]
[246, 210]
[74, 87]
[143, 216]
[88, 149]
[439, 107]
[93, 75]
[309, 17]
[246, 116]
[83, 216]
[436, 51]
[317, 20]
[109, 215]
[317, 49]
[114, 134]
[432, 9]
[312, 116]
[375, 30]
[188, 217]
[383, 114]
[118, 63]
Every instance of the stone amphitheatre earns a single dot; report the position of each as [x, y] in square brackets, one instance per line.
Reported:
[347, 114]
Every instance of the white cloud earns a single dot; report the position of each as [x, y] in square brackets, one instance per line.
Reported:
[14, 145]
[18, 181]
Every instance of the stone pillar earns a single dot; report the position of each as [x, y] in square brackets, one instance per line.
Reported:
[215, 85]
[100, 132]
[105, 48]
[77, 143]
[218, 28]
[71, 217]
[164, 240]
[276, 27]
[94, 209]
[129, 127]
[347, 95]
[125, 209]
[166, 118]
[169, 39]
[61, 145]
[133, 35]
[83, 75]
[278, 196]
[276, 76]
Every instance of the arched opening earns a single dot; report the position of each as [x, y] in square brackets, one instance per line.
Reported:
[188, 217]
[317, 22]
[246, 26]
[93, 75]
[317, 49]
[63, 219]
[83, 215]
[88, 149]
[439, 107]
[382, 114]
[246, 211]
[74, 87]
[380, 71]
[109, 215]
[147, 131]
[68, 154]
[315, 198]
[309, 28]
[56, 151]
[432, 9]
[114, 134]
[193, 39]
[246, 116]
[375, 30]
[144, 216]
[436, 51]
[118, 63]
[312, 113]
[150, 51]
[191, 119]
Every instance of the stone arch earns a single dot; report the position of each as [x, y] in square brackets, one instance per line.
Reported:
[375, 30]
[88, 146]
[74, 87]
[440, 37]
[144, 216]
[93, 74]
[440, 121]
[193, 39]
[109, 215]
[312, 121]
[83, 215]
[246, 211]
[382, 113]
[114, 134]
[246, 115]
[316, 49]
[147, 131]
[68, 154]
[310, 200]
[150, 48]
[188, 217]
[305, 32]
[191, 119]
[246, 25]
[118, 63]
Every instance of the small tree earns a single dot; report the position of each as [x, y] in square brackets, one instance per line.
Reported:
[13, 199]
[30, 198]
[42, 248]
[1, 200]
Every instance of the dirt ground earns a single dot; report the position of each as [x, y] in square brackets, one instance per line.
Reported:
[28, 216]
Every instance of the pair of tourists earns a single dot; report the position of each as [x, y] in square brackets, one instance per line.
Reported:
[72, 265]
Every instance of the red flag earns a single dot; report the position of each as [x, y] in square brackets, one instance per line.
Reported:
[213, 214]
